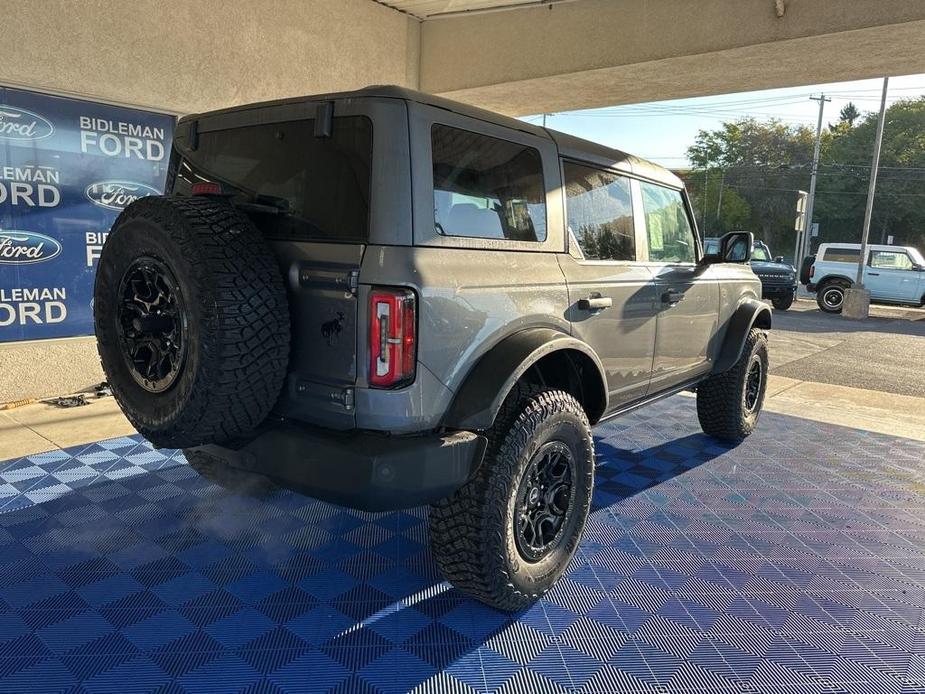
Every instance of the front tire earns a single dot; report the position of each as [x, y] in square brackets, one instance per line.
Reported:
[728, 404]
[782, 303]
[509, 533]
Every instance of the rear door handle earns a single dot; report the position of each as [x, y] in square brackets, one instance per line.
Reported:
[873, 274]
[672, 297]
[595, 303]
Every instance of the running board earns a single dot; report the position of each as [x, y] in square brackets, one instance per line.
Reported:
[636, 404]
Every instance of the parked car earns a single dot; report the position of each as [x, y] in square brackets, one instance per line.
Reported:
[778, 279]
[892, 274]
[386, 299]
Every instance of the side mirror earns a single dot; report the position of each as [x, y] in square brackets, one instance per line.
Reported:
[734, 247]
[779, 259]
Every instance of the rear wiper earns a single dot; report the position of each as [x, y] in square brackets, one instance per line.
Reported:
[265, 204]
[272, 205]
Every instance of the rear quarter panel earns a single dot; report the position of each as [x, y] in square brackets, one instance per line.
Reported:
[468, 301]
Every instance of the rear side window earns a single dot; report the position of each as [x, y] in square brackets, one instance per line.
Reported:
[668, 229]
[599, 208]
[890, 260]
[841, 255]
[487, 188]
[319, 184]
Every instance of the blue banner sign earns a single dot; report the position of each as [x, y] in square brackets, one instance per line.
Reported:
[67, 169]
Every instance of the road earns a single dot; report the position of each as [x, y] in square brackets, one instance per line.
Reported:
[885, 352]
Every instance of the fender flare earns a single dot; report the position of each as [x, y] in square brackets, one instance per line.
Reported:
[833, 276]
[482, 393]
[747, 314]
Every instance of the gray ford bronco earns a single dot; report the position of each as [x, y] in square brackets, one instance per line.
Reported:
[385, 299]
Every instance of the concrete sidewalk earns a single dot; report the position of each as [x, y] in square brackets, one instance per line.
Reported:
[41, 427]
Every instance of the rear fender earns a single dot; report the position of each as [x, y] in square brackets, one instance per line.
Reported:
[479, 399]
[749, 313]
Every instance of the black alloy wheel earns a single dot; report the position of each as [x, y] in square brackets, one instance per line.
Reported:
[543, 501]
[753, 382]
[152, 324]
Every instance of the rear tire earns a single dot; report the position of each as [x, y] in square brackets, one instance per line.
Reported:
[830, 296]
[501, 537]
[782, 303]
[729, 404]
[192, 321]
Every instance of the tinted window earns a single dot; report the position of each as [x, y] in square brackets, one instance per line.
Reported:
[485, 187]
[890, 260]
[321, 184]
[761, 252]
[842, 255]
[668, 229]
[599, 207]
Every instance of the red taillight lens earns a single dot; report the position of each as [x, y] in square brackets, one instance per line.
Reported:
[392, 337]
[207, 188]
[812, 271]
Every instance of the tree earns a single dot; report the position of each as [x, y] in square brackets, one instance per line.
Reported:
[734, 211]
[764, 164]
[848, 114]
[899, 205]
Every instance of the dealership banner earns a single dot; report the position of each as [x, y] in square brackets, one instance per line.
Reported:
[68, 167]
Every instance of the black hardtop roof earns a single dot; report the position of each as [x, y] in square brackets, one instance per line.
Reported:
[569, 145]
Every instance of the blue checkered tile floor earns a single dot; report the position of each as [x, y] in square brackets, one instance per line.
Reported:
[792, 563]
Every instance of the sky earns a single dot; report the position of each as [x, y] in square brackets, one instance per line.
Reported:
[663, 130]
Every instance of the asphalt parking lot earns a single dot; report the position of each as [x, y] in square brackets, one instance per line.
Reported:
[884, 353]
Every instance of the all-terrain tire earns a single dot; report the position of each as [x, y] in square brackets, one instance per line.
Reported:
[830, 295]
[235, 315]
[472, 532]
[219, 473]
[723, 399]
[782, 303]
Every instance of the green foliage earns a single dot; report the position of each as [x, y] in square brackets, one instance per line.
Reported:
[764, 164]
[899, 206]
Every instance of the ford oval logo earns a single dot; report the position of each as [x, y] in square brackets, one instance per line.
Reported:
[23, 247]
[117, 195]
[19, 124]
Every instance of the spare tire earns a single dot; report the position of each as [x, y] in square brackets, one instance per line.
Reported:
[192, 321]
[805, 267]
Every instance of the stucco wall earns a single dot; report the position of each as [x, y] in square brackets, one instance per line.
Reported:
[194, 55]
[591, 53]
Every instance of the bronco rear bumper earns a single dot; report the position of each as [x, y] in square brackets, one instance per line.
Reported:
[361, 470]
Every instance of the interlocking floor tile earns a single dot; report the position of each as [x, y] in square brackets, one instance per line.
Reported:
[794, 562]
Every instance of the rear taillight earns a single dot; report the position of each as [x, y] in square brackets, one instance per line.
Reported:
[392, 337]
[812, 271]
[207, 188]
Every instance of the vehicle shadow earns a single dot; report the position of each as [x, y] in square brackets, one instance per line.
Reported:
[622, 472]
[171, 569]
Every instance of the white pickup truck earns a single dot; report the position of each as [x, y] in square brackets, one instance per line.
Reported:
[892, 274]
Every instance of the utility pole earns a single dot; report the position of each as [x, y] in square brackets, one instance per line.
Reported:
[807, 236]
[871, 190]
[706, 182]
[857, 298]
[719, 202]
